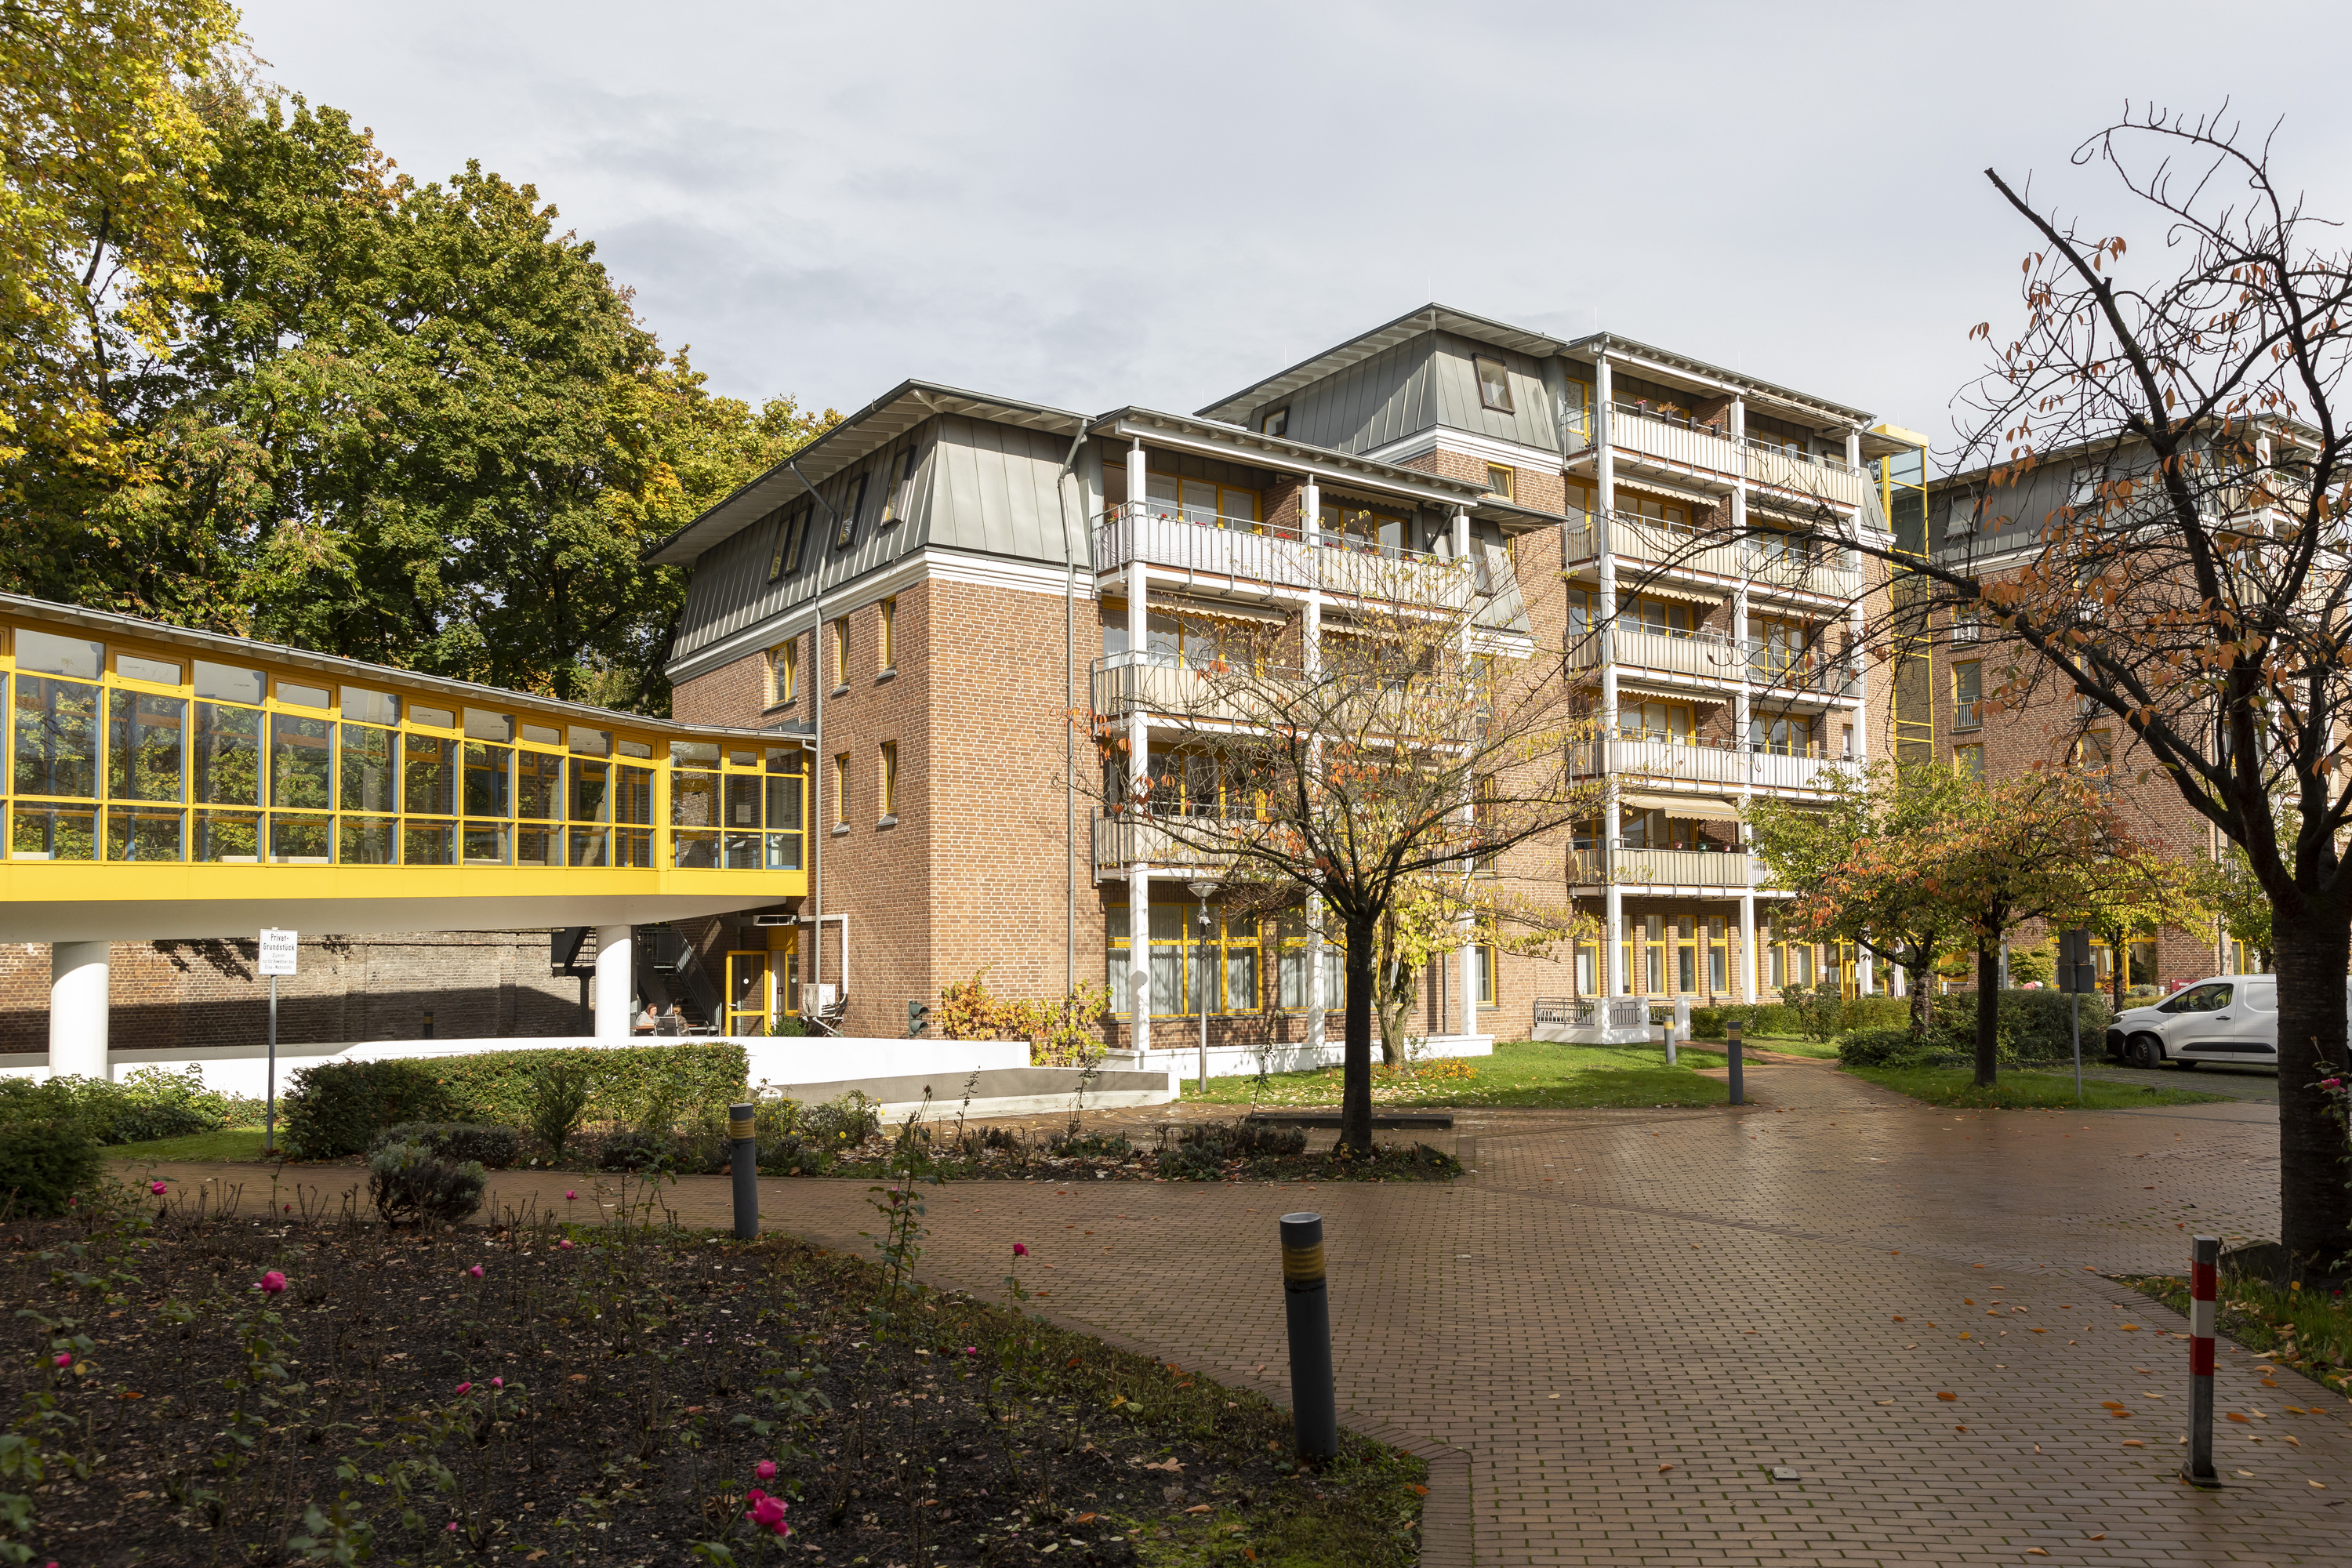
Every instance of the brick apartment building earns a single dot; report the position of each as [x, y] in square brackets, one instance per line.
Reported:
[1986, 531]
[940, 593]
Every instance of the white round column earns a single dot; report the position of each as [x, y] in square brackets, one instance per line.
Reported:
[78, 1008]
[615, 990]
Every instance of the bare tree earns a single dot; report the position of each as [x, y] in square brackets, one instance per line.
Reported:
[1388, 756]
[2159, 531]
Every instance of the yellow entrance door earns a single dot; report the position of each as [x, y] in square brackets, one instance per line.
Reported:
[748, 993]
[784, 964]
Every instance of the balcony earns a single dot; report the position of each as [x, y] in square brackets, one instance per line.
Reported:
[1122, 842]
[1233, 553]
[1120, 683]
[1721, 767]
[1697, 869]
[1711, 458]
[1801, 567]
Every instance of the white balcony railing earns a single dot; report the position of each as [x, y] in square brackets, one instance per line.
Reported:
[1124, 841]
[1662, 869]
[1723, 767]
[1803, 567]
[1192, 541]
[1655, 435]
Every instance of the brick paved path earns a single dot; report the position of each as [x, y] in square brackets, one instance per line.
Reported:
[1614, 1293]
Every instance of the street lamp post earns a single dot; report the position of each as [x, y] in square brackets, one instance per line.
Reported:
[1201, 890]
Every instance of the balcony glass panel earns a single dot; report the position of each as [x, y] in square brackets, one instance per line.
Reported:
[146, 746]
[428, 843]
[226, 755]
[367, 840]
[145, 833]
[301, 764]
[368, 776]
[301, 838]
[226, 837]
[53, 833]
[56, 737]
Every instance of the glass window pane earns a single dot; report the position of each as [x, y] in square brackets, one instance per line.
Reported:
[489, 779]
[592, 799]
[592, 742]
[591, 847]
[539, 846]
[53, 833]
[229, 683]
[633, 793]
[783, 801]
[482, 726]
[542, 735]
[428, 776]
[693, 800]
[367, 781]
[784, 851]
[299, 840]
[743, 800]
[366, 840]
[46, 653]
[634, 748]
[633, 847]
[694, 848]
[538, 786]
[745, 851]
[301, 765]
[439, 718]
[226, 756]
[154, 671]
[56, 737]
[1241, 979]
[428, 843]
[146, 748]
[484, 844]
[369, 707]
[305, 696]
[229, 838]
[694, 753]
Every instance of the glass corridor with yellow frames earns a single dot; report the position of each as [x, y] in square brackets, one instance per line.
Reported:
[164, 782]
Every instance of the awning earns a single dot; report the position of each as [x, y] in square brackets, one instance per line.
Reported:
[1662, 589]
[1701, 807]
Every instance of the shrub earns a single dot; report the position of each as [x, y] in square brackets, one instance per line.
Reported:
[410, 1183]
[1061, 1032]
[148, 1103]
[493, 1148]
[2031, 1025]
[1876, 1047]
[560, 1091]
[43, 1163]
[633, 1149]
[842, 1123]
[333, 1109]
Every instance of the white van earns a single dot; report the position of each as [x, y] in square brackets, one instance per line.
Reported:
[2228, 1018]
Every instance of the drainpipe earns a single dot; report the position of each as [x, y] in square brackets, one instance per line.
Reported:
[818, 830]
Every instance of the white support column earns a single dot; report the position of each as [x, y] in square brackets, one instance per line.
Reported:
[1604, 616]
[1865, 972]
[1470, 982]
[1310, 509]
[79, 974]
[616, 987]
[1311, 662]
[1139, 485]
[1749, 991]
[1741, 711]
[1138, 956]
[1902, 985]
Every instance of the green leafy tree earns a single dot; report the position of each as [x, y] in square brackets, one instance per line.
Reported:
[1851, 862]
[2142, 891]
[2236, 895]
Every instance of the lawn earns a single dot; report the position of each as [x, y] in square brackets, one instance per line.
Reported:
[2018, 1090]
[2309, 1330]
[1529, 1073]
[240, 1143]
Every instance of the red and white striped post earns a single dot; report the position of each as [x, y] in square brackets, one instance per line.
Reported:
[2204, 1282]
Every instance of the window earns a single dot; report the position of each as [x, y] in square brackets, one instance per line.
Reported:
[1666, 617]
[889, 778]
[1196, 968]
[1277, 423]
[1486, 987]
[1203, 501]
[1968, 696]
[1964, 624]
[1657, 721]
[2095, 751]
[901, 499]
[1782, 736]
[1578, 417]
[785, 672]
[851, 507]
[841, 790]
[841, 654]
[889, 634]
[1499, 480]
[792, 533]
[1493, 384]
[1667, 512]
[1969, 760]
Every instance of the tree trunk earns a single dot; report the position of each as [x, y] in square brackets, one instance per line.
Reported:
[1356, 1065]
[2119, 964]
[1988, 1013]
[2315, 1207]
[1922, 970]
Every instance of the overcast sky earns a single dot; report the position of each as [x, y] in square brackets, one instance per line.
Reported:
[1092, 206]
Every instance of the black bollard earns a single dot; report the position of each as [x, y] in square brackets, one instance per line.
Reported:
[1732, 1030]
[1307, 1301]
[744, 1160]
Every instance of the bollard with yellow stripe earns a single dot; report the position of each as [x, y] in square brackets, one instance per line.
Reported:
[743, 1165]
[1307, 1302]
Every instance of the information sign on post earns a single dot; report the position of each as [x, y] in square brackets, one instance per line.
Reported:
[2076, 975]
[277, 950]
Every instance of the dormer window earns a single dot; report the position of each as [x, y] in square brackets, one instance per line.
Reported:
[1277, 423]
[1493, 384]
[851, 506]
[791, 535]
[901, 497]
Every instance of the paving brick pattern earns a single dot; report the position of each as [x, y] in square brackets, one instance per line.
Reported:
[1624, 1321]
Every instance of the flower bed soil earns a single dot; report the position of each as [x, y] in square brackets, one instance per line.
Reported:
[490, 1394]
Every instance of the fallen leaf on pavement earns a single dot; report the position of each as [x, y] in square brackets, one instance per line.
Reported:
[1663, 1469]
[1200, 1508]
[1946, 1394]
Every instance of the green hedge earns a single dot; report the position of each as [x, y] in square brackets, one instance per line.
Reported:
[334, 1109]
[1772, 1018]
[148, 1103]
[2031, 1025]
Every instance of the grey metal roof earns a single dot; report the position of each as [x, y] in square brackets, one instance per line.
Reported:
[1434, 316]
[868, 430]
[236, 649]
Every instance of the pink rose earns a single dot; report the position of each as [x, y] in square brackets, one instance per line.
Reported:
[272, 1283]
[157, 1188]
[475, 1271]
[571, 1195]
[464, 1388]
[63, 1360]
[498, 1382]
[767, 1513]
[765, 1469]
[565, 1245]
[1019, 1250]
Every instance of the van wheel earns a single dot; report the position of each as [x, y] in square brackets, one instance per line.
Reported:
[2144, 1051]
